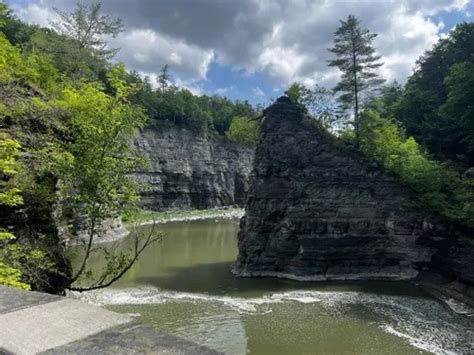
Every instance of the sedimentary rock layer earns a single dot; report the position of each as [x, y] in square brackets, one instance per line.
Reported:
[317, 210]
[192, 171]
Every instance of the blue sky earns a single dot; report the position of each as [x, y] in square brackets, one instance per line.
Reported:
[253, 49]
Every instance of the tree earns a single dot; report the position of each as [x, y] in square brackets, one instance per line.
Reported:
[319, 102]
[356, 59]
[441, 130]
[164, 78]
[322, 106]
[458, 110]
[439, 188]
[9, 196]
[244, 131]
[87, 26]
[22, 265]
[95, 170]
[4, 12]
[294, 92]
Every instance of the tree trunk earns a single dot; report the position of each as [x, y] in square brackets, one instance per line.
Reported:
[356, 97]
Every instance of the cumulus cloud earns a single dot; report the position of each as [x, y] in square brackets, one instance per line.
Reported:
[150, 51]
[285, 39]
[38, 14]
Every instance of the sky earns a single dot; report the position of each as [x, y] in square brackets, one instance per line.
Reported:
[254, 49]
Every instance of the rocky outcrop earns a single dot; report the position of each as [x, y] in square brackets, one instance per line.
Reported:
[192, 171]
[317, 210]
[108, 230]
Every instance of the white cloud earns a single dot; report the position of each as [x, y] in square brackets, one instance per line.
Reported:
[38, 14]
[258, 92]
[190, 85]
[407, 36]
[224, 91]
[285, 39]
[150, 51]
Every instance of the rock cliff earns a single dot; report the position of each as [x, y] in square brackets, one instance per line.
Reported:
[317, 210]
[192, 171]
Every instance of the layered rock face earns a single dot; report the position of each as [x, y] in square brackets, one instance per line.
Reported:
[316, 210]
[191, 171]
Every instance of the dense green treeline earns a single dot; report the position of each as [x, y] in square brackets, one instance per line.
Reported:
[424, 131]
[171, 106]
[436, 105]
[59, 57]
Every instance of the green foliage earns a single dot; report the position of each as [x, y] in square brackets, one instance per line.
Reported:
[94, 168]
[321, 105]
[201, 114]
[22, 264]
[65, 52]
[9, 193]
[11, 277]
[95, 165]
[3, 13]
[458, 110]
[294, 92]
[423, 109]
[78, 136]
[244, 130]
[33, 69]
[9, 196]
[67, 56]
[440, 188]
[26, 264]
[86, 26]
[75, 54]
[164, 78]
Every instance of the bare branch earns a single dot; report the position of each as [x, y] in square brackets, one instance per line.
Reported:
[108, 276]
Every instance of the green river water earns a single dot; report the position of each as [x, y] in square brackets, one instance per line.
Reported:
[184, 286]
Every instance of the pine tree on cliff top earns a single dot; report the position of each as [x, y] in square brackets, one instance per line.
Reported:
[356, 59]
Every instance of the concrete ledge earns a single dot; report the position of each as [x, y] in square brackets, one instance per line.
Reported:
[33, 323]
[131, 338]
[12, 299]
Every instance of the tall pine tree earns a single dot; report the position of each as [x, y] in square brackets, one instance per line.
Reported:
[163, 79]
[356, 59]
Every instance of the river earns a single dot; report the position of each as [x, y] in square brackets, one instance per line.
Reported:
[184, 286]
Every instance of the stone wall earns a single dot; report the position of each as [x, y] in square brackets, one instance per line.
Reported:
[192, 171]
[318, 211]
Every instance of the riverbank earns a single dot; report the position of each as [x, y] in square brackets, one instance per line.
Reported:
[115, 230]
[149, 217]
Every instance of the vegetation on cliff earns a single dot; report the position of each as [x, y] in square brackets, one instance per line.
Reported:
[422, 132]
[71, 140]
[67, 115]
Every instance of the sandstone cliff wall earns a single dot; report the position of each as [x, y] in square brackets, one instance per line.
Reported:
[192, 171]
[318, 211]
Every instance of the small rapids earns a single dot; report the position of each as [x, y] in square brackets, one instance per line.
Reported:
[424, 323]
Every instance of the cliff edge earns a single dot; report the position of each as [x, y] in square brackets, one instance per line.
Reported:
[317, 210]
[192, 171]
